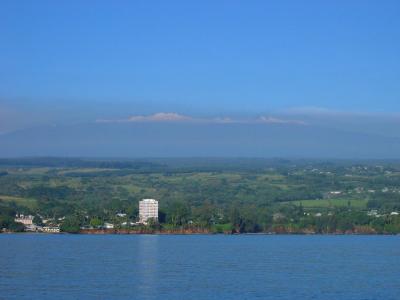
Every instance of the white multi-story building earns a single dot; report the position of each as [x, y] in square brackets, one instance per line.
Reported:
[148, 209]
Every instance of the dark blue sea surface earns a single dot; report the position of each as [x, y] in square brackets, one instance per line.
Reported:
[34, 266]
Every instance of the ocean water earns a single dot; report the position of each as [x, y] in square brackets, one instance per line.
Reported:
[34, 266]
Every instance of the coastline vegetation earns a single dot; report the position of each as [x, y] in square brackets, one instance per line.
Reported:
[203, 195]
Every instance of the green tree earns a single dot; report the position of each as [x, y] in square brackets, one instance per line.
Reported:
[235, 219]
[37, 221]
[96, 222]
[71, 224]
[8, 222]
[178, 213]
[206, 214]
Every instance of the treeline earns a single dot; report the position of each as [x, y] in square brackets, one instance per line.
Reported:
[385, 202]
[208, 217]
[55, 162]
[7, 216]
[205, 164]
[248, 220]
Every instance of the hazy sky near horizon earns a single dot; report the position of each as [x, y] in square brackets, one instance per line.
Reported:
[332, 64]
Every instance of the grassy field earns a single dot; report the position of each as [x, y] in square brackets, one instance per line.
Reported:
[87, 187]
[332, 203]
[28, 202]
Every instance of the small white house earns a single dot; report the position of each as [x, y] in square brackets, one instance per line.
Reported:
[108, 226]
[128, 224]
[51, 229]
[335, 192]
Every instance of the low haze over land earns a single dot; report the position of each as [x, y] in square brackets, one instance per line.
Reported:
[295, 79]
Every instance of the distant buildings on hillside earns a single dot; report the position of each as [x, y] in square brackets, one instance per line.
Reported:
[148, 214]
[26, 220]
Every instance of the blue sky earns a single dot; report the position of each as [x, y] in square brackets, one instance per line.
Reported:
[322, 63]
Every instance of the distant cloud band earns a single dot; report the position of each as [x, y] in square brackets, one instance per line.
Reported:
[178, 118]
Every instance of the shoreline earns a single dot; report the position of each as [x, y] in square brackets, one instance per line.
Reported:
[98, 232]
